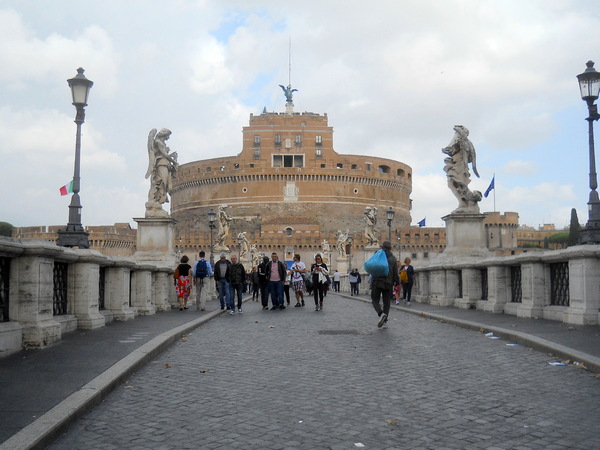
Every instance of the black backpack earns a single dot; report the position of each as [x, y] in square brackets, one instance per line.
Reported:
[201, 269]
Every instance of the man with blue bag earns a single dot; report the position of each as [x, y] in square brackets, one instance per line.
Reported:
[383, 268]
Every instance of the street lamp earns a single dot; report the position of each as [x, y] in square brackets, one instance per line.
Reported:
[74, 235]
[212, 216]
[589, 85]
[350, 239]
[240, 239]
[390, 217]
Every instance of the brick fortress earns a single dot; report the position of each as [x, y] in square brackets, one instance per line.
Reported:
[289, 190]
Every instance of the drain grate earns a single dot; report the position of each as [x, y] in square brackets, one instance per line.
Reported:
[340, 332]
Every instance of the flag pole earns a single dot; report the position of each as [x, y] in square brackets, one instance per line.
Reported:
[494, 192]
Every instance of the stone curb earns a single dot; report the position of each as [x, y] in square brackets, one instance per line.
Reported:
[591, 362]
[47, 427]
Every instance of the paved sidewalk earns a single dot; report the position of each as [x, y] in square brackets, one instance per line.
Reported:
[44, 390]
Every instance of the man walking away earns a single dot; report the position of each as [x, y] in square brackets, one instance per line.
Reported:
[222, 275]
[336, 281]
[202, 270]
[382, 287]
[237, 277]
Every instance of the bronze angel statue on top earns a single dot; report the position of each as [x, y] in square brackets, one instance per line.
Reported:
[288, 91]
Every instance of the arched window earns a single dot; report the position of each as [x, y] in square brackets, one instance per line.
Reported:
[383, 169]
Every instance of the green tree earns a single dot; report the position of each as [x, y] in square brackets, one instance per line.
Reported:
[574, 229]
[559, 239]
[6, 229]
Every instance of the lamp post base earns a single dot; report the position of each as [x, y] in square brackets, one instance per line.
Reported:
[73, 236]
[590, 234]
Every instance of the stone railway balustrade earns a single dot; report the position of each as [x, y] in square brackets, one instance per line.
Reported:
[562, 285]
[36, 278]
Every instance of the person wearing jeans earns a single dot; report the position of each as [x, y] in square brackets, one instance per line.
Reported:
[222, 274]
[237, 276]
[382, 287]
[276, 272]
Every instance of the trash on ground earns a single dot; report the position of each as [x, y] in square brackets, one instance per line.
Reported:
[557, 363]
[359, 444]
[513, 345]
[203, 370]
[392, 421]
[167, 366]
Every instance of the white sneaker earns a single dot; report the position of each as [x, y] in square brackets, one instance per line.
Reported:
[232, 311]
[382, 320]
[240, 310]
[408, 303]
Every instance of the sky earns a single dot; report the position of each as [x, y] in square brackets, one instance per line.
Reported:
[393, 76]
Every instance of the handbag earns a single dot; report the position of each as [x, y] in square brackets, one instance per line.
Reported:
[377, 265]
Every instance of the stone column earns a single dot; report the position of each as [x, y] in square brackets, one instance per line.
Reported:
[84, 278]
[533, 288]
[118, 289]
[163, 283]
[32, 292]
[471, 288]
[421, 288]
[443, 287]
[584, 295]
[498, 289]
[142, 289]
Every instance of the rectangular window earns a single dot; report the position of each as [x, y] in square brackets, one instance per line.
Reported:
[318, 140]
[368, 167]
[340, 166]
[298, 139]
[256, 141]
[288, 161]
[319, 153]
[278, 139]
[256, 153]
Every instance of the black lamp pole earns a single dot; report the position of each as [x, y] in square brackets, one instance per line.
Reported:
[390, 217]
[589, 84]
[74, 235]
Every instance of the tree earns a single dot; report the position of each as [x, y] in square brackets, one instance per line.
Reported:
[6, 229]
[574, 229]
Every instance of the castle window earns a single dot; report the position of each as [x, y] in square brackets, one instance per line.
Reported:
[256, 153]
[354, 167]
[340, 166]
[208, 169]
[278, 140]
[319, 153]
[257, 141]
[236, 166]
[302, 124]
[298, 140]
[368, 167]
[318, 140]
[356, 191]
[323, 166]
[251, 166]
[383, 169]
[288, 232]
[288, 160]
[400, 172]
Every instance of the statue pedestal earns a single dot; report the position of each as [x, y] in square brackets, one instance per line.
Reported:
[465, 235]
[155, 240]
[342, 265]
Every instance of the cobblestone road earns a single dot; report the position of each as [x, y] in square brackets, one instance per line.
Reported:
[331, 379]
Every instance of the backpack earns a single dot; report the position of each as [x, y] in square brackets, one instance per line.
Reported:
[201, 269]
[404, 276]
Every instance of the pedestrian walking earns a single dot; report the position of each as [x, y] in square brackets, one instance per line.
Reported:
[222, 274]
[286, 286]
[183, 282]
[354, 279]
[255, 284]
[237, 277]
[336, 281]
[264, 283]
[382, 287]
[407, 278]
[319, 278]
[298, 270]
[202, 270]
[276, 271]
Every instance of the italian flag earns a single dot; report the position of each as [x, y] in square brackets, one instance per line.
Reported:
[67, 189]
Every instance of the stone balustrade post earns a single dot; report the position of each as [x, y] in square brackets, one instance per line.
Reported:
[84, 289]
[443, 286]
[32, 293]
[534, 289]
[142, 289]
[163, 283]
[498, 289]
[584, 292]
[471, 288]
[117, 289]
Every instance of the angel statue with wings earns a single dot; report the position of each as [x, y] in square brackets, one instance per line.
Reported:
[461, 153]
[162, 170]
[288, 91]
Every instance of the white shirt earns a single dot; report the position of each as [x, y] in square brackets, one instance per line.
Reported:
[298, 266]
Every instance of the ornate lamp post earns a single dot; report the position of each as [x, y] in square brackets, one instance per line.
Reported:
[212, 216]
[74, 235]
[589, 84]
[390, 217]
[240, 239]
[350, 239]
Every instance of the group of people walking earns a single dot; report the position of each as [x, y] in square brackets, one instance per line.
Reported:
[271, 278]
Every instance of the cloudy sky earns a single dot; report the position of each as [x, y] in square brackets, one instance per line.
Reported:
[393, 76]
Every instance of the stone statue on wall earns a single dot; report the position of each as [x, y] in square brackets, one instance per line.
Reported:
[224, 222]
[370, 222]
[340, 244]
[256, 256]
[288, 92]
[326, 251]
[245, 244]
[162, 170]
[461, 153]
